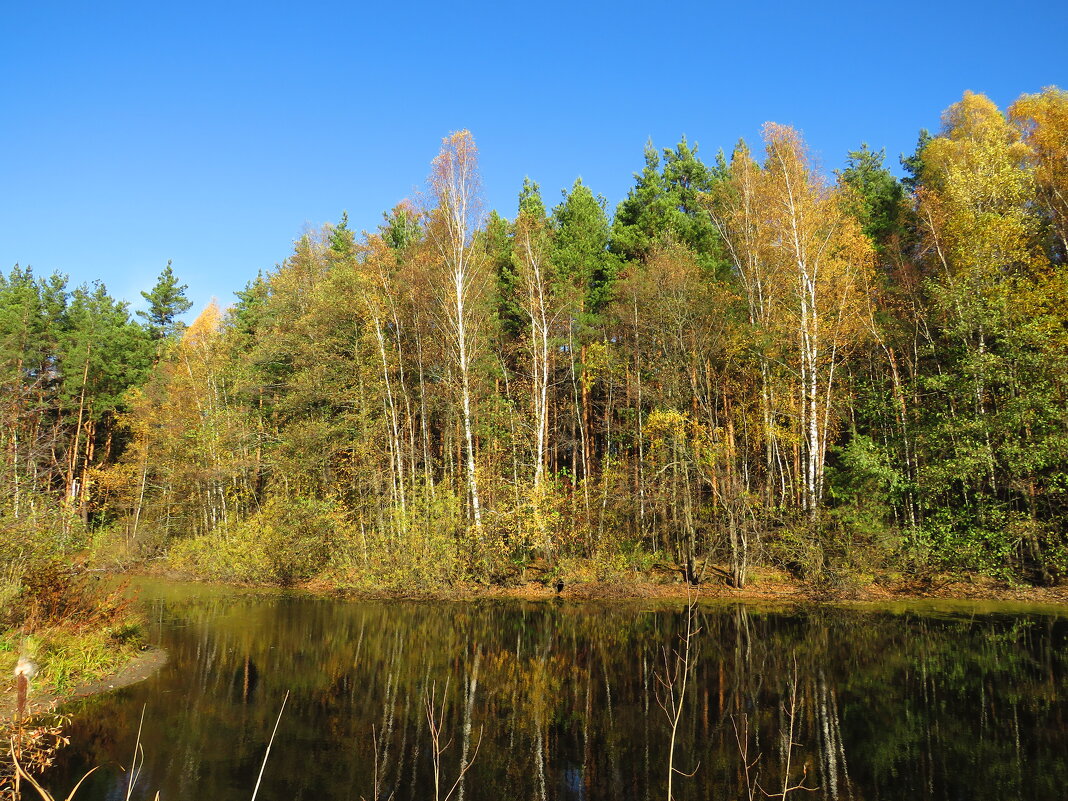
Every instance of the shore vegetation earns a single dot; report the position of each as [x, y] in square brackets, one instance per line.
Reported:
[748, 365]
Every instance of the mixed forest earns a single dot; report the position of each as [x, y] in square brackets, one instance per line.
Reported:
[748, 362]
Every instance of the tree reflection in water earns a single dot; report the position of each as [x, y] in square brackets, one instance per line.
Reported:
[888, 704]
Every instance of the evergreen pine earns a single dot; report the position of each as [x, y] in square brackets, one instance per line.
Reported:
[166, 302]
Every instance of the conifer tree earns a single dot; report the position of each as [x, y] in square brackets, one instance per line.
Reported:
[166, 303]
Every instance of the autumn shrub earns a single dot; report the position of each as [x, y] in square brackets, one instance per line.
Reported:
[227, 553]
[43, 531]
[612, 564]
[34, 743]
[10, 587]
[820, 552]
[421, 547]
[534, 526]
[40, 587]
[300, 534]
[288, 540]
[1049, 555]
[615, 510]
[57, 594]
[111, 548]
[76, 626]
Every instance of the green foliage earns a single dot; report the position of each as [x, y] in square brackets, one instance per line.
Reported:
[960, 541]
[627, 392]
[664, 207]
[863, 486]
[342, 242]
[166, 303]
[530, 202]
[401, 228]
[913, 164]
[580, 253]
[247, 315]
[31, 312]
[497, 241]
[101, 351]
[68, 358]
[878, 198]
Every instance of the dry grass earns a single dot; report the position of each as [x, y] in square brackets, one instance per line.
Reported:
[29, 747]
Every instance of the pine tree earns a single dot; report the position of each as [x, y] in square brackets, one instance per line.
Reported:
[581, 255]
[166, 302]
[877, 195]
[664, 207]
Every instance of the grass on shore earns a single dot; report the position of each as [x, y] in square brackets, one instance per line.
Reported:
[72, 626]
[76, 631]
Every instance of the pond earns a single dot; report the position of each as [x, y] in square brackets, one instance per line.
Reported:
[560, 700]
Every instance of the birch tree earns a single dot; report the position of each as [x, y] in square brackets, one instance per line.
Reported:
[540, 306]
[804, 264]
[826, 262]
[1042, 120]
[454, 187]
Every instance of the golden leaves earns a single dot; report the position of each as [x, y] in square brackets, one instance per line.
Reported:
[978, 186]
[1042, 120]
[205, 328]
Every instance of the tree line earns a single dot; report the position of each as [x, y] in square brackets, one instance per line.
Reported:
[69, 360]
[749, 362]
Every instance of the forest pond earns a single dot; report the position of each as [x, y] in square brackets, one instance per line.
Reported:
[560, 700]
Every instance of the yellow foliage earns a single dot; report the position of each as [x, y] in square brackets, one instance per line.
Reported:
[205, 328]
[806, 268]
[1042, 120]
[978, 186]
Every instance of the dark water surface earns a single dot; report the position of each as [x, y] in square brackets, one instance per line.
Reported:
[559, 701]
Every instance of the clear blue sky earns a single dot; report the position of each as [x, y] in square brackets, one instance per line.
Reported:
[214, 133]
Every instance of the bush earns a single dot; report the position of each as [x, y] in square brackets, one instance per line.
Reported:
[959, 540]
[54, 594]
[825, 552]
[287, 541]
[427, 548]
[46, 530]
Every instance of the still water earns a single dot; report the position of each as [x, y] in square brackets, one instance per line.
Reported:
[563, 701]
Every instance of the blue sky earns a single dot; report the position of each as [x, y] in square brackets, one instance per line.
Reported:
[213, 134]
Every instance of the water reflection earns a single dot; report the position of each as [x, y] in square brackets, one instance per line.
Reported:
[559, 701]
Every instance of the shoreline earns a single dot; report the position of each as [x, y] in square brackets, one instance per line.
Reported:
[768, 587]
[141, 667]
[608, 592]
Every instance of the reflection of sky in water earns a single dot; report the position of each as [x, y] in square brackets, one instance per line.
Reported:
[574, 787]
[890, 705]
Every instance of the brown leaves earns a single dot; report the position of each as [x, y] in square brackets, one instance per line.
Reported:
[56, 594]
[33, 745]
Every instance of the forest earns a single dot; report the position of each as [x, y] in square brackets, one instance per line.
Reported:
[748, 363]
